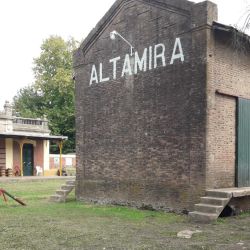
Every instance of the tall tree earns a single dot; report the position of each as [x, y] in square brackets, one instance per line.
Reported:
[52, 94]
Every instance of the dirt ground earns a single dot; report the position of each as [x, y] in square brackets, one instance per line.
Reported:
[74, 225]
[93, 231]
[230, 234]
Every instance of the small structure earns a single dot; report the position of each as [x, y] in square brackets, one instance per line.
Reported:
[68, 161]
[163, 109]
[24, 144]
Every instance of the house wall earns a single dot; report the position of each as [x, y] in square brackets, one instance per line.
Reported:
[67, 161]
[9, 152]
[39, 154]
[141, 138]
[16, 154]
[229, 76]
[2, 154]
[46, 145]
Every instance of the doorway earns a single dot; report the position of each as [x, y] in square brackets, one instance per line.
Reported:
[28, 160]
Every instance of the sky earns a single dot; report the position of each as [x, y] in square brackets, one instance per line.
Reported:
[26, 24]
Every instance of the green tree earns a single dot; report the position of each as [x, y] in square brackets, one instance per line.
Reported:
[52, 93]
[28, 102]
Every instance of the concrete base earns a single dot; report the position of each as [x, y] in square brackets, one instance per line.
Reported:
[215, 201]
[234, 192]
[61, 194]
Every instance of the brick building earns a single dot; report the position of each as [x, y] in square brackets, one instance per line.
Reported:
[158, 125]
[24, 144]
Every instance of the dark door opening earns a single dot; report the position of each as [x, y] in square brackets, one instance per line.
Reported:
[28, 160]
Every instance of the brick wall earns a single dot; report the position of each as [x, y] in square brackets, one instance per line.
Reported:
[240, 204]
[54, 161]
[141, 138]
[228, 74]
[16, 154]
[38, 154]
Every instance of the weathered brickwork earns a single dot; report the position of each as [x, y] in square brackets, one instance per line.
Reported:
[142, 137]
[228, 79]
[240, 204]
[158, 138]
[38, 157]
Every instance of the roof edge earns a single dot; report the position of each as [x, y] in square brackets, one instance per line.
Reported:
[101, 24]
[112, 12]
[230, 29]
[33, 136]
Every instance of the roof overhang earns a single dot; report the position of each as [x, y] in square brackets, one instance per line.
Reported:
[33, 136]
[231, 31]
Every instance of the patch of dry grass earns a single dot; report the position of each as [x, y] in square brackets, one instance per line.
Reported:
[74, 225]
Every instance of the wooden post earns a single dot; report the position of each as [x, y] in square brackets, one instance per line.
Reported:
[21, 156]
[60, 147]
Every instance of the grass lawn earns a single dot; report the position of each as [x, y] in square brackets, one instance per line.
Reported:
[74, 225]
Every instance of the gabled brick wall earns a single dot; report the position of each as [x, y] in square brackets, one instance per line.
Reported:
[142, 138]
